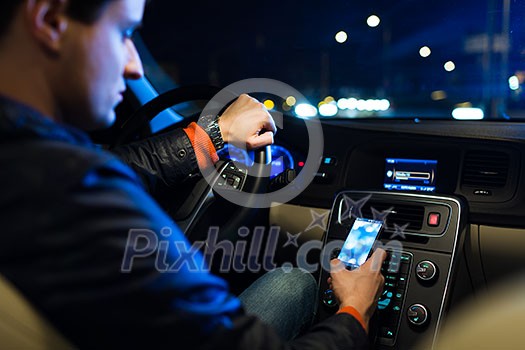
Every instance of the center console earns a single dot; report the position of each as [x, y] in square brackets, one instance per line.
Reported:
[423, 238]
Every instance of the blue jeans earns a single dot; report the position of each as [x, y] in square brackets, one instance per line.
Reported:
[284, 300]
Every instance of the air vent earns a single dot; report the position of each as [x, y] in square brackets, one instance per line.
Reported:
[401, 214]
[485, 169]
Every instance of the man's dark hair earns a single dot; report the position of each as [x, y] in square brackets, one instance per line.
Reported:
[83, 10]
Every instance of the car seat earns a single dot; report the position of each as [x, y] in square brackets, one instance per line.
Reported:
[22, 327]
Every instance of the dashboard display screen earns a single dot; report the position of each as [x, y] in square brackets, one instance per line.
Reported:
[410, 174]
[282, 159]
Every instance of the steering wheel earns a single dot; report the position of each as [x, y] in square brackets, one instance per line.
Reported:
[202, 193]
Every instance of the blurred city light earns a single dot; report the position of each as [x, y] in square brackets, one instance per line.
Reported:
[373, 21]
[341, 37]
[383, 105]
[291, 101]
[351, 103]
[425, 51]
[371, 105]
[514, 83]
[361, 105]
[305, 110]
[449, 66]
[463, 113]
[438, 95]
[269, 104]
[328, 109]
[464, 105]
[342, 103]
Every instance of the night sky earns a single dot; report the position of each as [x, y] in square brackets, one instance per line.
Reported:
[219, 43]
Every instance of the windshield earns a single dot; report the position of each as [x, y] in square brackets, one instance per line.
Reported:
[351, 59]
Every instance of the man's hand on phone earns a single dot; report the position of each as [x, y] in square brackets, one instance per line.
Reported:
[361, 287]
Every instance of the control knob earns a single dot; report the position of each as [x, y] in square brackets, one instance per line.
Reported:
[329, 298]
[426, 271]
[418, 315]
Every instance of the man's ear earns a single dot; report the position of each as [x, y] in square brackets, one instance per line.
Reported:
[48, 21]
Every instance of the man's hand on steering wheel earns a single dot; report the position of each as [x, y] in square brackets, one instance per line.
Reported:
[247, 123]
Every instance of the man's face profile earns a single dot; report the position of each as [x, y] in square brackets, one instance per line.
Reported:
[96, 58]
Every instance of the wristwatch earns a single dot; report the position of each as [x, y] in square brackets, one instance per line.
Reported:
[210, 124]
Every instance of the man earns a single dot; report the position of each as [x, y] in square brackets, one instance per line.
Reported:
[67, 207]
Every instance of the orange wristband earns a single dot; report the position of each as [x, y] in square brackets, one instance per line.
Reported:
[352, 311]
[204, 150]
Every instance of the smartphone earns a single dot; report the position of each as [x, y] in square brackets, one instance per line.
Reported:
[359, 242]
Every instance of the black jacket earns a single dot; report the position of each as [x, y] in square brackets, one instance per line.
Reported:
[66, 212]
[168, 158]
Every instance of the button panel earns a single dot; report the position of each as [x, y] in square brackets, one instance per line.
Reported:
[392, 327]
[232, 177]
[396, 270]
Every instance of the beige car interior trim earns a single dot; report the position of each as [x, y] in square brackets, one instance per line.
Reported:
[493, 320]
[473, 256]
[297, 219]
[502, 252]
[21, 326]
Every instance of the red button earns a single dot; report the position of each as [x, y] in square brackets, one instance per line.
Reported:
[433, 219]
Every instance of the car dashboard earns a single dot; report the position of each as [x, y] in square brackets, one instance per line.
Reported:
[455, 189]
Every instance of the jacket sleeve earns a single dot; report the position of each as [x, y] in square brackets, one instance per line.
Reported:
[169, 158]
[341, 331]
[110, 270]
